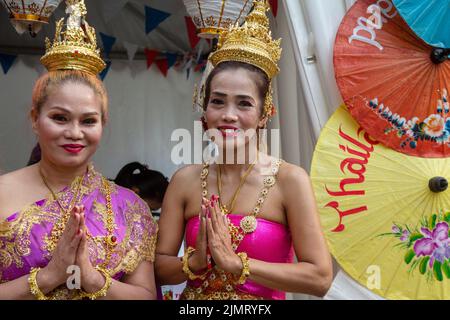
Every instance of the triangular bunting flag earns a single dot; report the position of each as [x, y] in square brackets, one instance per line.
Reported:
[171, 59]
[192, 32]
[274, 6]
[108, 42]
[153, 18]
[163, 66]
[131, 49]
[200, 66]
[105, 71]
[6, 61]
[151, 55]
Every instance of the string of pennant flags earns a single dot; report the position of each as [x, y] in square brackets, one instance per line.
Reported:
[191, 61]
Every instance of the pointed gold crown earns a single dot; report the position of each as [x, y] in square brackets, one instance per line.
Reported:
[75, 48]
[250, 43]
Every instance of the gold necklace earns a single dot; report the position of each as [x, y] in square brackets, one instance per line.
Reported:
[224, 207]
[110, 239]
[248, 224]
[58, 229]
[60, 226]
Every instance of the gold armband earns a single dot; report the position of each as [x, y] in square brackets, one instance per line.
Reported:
[34, 288]
[186, 270]
[103, 291]
[245, 267]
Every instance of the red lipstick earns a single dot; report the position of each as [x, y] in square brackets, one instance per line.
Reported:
[73, 148]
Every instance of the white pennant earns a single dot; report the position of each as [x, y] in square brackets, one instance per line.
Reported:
[131, 49]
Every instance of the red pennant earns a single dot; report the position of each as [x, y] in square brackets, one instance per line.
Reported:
[274, 5]
[163, 66]
[192, 32]
[151, 55]
[199, 66]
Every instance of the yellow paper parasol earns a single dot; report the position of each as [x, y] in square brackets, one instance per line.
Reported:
[385, 214]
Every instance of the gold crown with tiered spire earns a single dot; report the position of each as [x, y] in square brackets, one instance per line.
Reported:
[250, 43]
[76, 47]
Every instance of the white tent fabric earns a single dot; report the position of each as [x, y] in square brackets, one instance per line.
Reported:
[146, 107]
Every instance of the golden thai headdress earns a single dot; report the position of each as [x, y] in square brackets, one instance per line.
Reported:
[75, 48]
[252, 43]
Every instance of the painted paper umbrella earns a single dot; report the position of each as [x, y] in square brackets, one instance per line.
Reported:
[385, 214]
[394, 84]
[430, 19]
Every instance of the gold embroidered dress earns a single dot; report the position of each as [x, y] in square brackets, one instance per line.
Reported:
[118, 241]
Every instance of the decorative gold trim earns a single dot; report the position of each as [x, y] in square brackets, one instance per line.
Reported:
[211, 30]
[28, 17]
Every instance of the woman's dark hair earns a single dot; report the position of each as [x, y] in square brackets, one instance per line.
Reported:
[150, 184]
[261, 79]
[35, 155]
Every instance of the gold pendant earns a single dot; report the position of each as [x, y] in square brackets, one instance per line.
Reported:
[224, 210]
[111, 240]
[249, 224]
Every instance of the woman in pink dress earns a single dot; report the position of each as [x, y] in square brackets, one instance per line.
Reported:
[243, 221]
[66, 232]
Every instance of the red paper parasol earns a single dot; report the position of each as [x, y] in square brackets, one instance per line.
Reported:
[394, 84]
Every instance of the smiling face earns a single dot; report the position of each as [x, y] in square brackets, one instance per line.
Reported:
[234, 107]
[69, 124]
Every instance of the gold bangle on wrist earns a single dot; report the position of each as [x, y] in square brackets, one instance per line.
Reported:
[186, 270]
[103, 291]
[34, 288]
[245, 267]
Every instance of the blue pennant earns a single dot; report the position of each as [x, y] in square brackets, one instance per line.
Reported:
[105, 71]
[171, 59]
[153, 18]
[6, 61]
[108, 42]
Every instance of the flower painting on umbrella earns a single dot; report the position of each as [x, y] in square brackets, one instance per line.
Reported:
[427, 247]
[393, 83]
[384, 210]
[435, 128]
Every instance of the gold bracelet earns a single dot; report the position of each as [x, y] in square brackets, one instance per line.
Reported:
[186, 270]
[103, 291]
[34, 288]
[245, 267]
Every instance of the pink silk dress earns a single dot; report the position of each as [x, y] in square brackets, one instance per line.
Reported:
[270, 242]
[24, 236]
